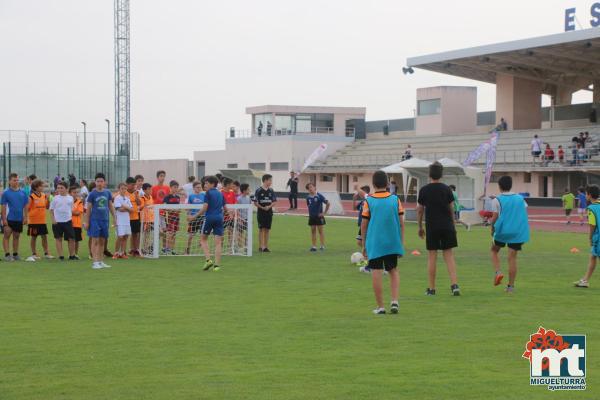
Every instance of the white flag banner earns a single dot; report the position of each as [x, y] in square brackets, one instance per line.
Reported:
[314, 156]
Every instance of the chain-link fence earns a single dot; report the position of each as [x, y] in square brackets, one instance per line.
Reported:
[49, 153]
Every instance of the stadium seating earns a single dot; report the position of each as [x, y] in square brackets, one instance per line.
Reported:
[513, 148]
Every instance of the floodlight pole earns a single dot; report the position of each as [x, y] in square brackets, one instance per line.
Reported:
[84, 146]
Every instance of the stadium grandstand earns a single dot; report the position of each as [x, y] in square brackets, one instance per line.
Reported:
[556, 65]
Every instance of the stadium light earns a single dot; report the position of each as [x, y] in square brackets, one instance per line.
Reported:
[408, 70]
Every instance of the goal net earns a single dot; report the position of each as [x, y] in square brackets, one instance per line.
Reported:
[335, 203]
[175, 230]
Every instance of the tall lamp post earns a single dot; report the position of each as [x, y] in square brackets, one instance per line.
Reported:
[84, 149]
[108, 149]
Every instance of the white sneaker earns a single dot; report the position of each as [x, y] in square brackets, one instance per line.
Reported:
[31, 259]
[364, 270]
[104, 265]
[582, 283]
[48, 257]
[97, 266]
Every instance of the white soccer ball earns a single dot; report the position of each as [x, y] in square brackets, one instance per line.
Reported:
[356, 258]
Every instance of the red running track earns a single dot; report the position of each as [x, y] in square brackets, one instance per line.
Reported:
[540, 218]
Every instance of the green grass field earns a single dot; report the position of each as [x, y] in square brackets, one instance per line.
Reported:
[289, 325]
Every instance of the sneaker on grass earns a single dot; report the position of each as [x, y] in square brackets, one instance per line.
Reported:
[582, 283]
[379, 311]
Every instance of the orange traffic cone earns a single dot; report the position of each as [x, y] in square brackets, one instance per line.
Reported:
[416, 253]
[574, 250]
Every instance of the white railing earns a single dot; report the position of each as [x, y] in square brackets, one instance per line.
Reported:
[233, 133]
[502, 157]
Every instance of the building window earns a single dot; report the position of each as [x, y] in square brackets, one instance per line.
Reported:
[527, 177]
[327, 178]
[258, 166]
[284, 124]
[279, 166]
[232, 166]
[429, 107]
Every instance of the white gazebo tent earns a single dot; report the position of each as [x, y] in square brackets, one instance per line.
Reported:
[468, 182]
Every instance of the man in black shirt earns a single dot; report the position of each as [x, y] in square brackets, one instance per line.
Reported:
[264, 197]
[437, 203]
[292, 183]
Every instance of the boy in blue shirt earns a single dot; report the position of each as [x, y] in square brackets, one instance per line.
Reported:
[510, 228]
[593, 192]
[382, 231]
[99, 206]
[195, 220]
[213, 211]
[581, 205]
[316, 215]
[14, 214]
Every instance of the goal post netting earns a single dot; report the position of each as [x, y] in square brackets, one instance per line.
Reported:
[176, 229]
[335, 203]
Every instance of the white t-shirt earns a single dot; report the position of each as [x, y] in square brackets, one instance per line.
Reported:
[536, 144]
[84, 193]
[62, 207]
[122, 216]
[188, 188]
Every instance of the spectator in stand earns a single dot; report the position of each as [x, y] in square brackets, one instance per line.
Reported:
[536, 148]
[259, 128]
[561, 154]
[581, 155]
[548, 155]
[269, 128]
[407, 153]
[503, 124]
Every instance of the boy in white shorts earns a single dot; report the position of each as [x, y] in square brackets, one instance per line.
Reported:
[123, 207]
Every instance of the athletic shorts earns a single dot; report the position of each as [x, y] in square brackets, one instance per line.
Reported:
[78, 234]
[388, 262]
[136, 226]
[568, 211]
[172, 225]
[213, 225]
[536, 153]
[63, 230]
[37, 230]
[316, 221]
[98, 229]
[457, 215]
[123, 230]
[16, 226]
[440, 239]
[514, 246]
[265, 219]
[195, 225]
[581, 210]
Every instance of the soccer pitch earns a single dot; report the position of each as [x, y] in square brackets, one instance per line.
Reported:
[290, 324]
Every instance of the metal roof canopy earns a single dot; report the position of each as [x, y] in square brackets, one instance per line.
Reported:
[570, 59]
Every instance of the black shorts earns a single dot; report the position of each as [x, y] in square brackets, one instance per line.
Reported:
[195, 225]
[536, 153]
[316, 221]
[78, 235]
[388, 262]
[63, 230]
[136, 226]
[264, 218]
[568, 211]
[16, 226]
[514, 246]
[37, 229]
[441, 239]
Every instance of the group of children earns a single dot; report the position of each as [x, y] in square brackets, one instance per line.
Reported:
[570, 201]
[381, 235]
